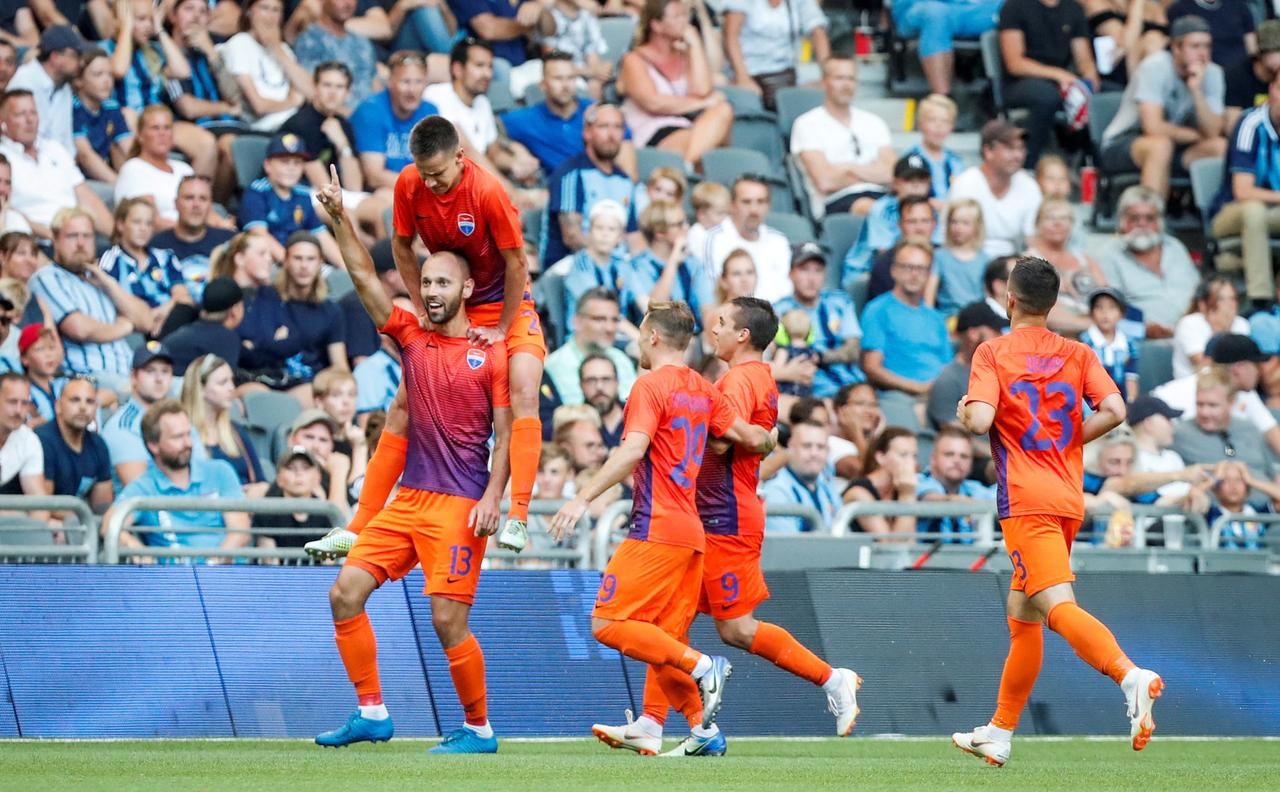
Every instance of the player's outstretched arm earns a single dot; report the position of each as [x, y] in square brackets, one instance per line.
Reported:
[1109, 415]
[354, 254]
[622, 460]
[751, 437]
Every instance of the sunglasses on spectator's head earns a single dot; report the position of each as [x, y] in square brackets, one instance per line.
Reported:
[406, 57]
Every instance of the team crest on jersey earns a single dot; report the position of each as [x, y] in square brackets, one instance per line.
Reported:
[466, 224]
[475, 358]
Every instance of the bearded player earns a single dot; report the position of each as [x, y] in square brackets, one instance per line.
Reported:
[649, 591]
[1026, 390]
[453, 204]
[733, 517]
[448, 503]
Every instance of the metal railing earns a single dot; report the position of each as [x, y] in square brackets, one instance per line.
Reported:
[1215, 531]
[125, 509]
[84, 551]
[575, 553]
[1175, 525]
[983, 513]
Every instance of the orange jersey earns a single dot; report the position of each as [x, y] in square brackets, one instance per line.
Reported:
[1036, 379]
[676, 408]
[727, 499]
[475, 219]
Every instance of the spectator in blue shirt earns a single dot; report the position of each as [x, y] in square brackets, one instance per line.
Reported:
[76, 461]
[583, 180]
[1248, 203]
[553, 128]
[174, 471]
[804, 481]
[905, 342]
[666, 270]
[911, 177]
[151, 274]
[602, 262]
[947, 479]
[915, 219]
[377, 380]
[276, 205]
[101, 133]
[834, 332]
[504, 24]
[214, 330]
[383, 121]
[1116, 351]
[42, 357]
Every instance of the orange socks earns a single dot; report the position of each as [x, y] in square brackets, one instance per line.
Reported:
[526, 447]
[466, 666]
[655, 701]
[676, 687]
[1090, 638]
[1021, 667]
[359, 651]
[782, 649]
[380, 478]
[648, 644]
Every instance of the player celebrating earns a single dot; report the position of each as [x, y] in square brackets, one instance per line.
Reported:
[453, 204]
[1026, 389]
[649, 590]
[733, 517]
[448, 504]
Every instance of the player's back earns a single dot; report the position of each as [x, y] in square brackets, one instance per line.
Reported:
[475, 219]
[1037, 382]
[727, 482]
[677, 408]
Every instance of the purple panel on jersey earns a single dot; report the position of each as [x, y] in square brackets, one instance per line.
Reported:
[717, 501]
[642, 500]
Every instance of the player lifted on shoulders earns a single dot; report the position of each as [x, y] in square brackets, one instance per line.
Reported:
[1026, 389]
[452, 204]
[733, 517]
[448, 503]
[649, 592]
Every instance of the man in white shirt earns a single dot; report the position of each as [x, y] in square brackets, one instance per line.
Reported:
[745, 228]
[48, 77]
[10, 219]
[462, 100]
[1152, 423]
[21, 455]
[1008, 195]
[45, 177]
[845, 153]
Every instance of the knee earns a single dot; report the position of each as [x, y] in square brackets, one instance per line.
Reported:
[450, 625]
[740, 633]
[1157, 147]
[1252, 212]
[1045, 97]
[345, 600]
[524, 399]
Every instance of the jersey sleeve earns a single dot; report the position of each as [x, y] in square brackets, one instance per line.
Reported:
[400, 325]
[722, 413]
[1098, 384]
[404, 202]
[501, 214]
[253, 210]
[984, 384]
[501, 381]
[644, 409]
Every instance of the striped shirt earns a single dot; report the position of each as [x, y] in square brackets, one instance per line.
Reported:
[1254, 148]
[786, 489]
[66, 293]
[151, 281]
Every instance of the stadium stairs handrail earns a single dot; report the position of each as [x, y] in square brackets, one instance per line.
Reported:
[86, 549]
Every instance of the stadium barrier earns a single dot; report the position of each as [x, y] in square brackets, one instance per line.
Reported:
[1223, 520]
[248, 651]
[23, 539]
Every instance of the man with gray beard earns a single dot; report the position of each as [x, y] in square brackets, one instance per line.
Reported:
[1153, 269]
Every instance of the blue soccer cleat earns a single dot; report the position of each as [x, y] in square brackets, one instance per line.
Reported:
[356, 730]
[694, 745]
[465, 741]
[711, 686]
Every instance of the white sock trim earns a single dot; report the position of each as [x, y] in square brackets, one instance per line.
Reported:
[485, 731]
[374, 711]
[701, 668]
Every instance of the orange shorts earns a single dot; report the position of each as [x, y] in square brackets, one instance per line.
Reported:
[732, 581]
[428, 528]
[651, 582]
[525, 334]
[1039, 547]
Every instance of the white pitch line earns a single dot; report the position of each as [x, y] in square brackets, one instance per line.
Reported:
[537, 740]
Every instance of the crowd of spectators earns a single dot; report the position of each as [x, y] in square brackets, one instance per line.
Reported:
[159, 285]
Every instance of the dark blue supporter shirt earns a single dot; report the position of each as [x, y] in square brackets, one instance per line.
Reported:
[466, 10]
[203, 337]
[70, 472]
[101, 129]
[289, 335]
[193, 257]
[247, 467]
[262, 207]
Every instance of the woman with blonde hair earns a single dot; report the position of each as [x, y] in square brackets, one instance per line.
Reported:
[1080, 274]
[246, 259]
[208, 391]
[151, 172]
[958, 264]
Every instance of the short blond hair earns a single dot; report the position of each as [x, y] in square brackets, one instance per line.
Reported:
[65, 216]
[708, 195]
[1213, 377]
[940, 102]
[329, 379]
[980, 225]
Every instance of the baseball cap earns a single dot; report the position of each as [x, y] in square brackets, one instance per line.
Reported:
[30, 335]
[1269, 36]
[1107, 291]
[979, 314]
[310, 417]
[152, 350]
[60, 37]
[1186, 25]
[220, 294]
[912, 167]
[807, 251]
[297, 452]
[1000, 131]
[1228, 348]
[1143, 407]
[287, 145]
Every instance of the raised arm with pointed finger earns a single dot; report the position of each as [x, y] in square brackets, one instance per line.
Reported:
[354, 254]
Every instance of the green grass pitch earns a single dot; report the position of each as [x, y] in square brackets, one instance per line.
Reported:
[1071, 765]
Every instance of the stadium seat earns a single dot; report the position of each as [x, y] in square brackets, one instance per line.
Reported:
[340, 285]
[1102, 109]
[858, 287]
[839, 232]
[724, 165]
[135, 340]
[746, 102]
[548, 294]
[649, 158]
[993, 65]
[793, 103]
[760, 135]
[899, 410]
[264, 413]
[797, 228]
[1206, 180]
[618, 33]
[18, 530]
[500, 98]
[248, 153]
[796, 180]
[1155, 364]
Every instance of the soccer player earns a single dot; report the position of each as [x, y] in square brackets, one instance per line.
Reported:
[448, 503]
[1026, 389]
[733, 517]
[649, 591]
[453, 204]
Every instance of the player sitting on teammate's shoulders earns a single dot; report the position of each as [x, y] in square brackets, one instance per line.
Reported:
[888, 474]
[804, 481]
[277, 206]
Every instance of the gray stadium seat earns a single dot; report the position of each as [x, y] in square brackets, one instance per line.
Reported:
[839, 232]
[858, 291]
[548, 294]
[618, 33]
[993, 65]
[797, 228]
[726, 164]
[248, 152]
[798, 191]
[500, 98]
[135, 340]
[340, 285]
[1102, 110]
[649, 158]
[1206, 180]
[265, 412]
[793, 103]
[746, 103]
[759, 134]
[1155, 364]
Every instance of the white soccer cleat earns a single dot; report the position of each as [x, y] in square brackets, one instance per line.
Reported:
[335, 544]
[1141, 689]
[514, 535]
[629, 737]
[980, 744]
[844, 704]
